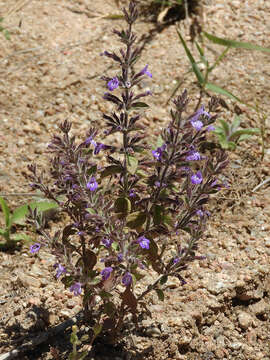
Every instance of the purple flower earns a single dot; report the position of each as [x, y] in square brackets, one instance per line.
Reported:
[60, 270]
[157, 183]
[210, 128]
[132, 193]
[120, 257]
[92, 184]
[35, 248]
[197, 124]
[176, 260]
[146, 72]
[199, 213]
[193, 156]
[76, 288]
[81, 233]
[106, 273]
[113, 83]
[143, 242]
[107, 242]
[197, 178]
[158, 152]
[127, 279]
[99, 146]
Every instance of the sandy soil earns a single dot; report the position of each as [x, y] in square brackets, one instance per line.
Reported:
[49, 71]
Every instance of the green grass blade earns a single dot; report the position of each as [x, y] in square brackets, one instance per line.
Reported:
[195, 68]
[234, 44]
[221, 91]
[6, 212]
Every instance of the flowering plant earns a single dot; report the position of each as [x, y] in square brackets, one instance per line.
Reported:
[124, 216]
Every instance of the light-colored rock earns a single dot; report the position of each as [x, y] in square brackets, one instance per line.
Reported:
[245, 320]
[29, 281]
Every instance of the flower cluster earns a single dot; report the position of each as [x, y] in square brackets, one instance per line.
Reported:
[124, 213]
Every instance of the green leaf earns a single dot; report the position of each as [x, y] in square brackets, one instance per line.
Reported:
[195, 68]
[91, 211]
[231, 145]
[243, 137]
[160, 141]
[157, 214]
[139, 104]
[234, 44]
[19, 214]
[238, 133]
[96, 280]
[109, 308]
[199, 49]
[221, 91]
[132, 164]
[97, 329]
[122, 205]
[163, 280]
[42, 206]
[235, 124]
[111, 170]
[136, 219]
[92, 170]
[2, 232]
[225, 127]
[160, 294]
[6, 212]
[21, 237]
[73, 338]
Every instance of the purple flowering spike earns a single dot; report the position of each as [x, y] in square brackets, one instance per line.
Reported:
[106, 242]
[92, 184]
[113, 84]
[60, 270]
[76, 288]
[35, 248]
[193, 156]
[145, 71]
[106, 273]
[197, 178]
[127, 279]
[143, 242]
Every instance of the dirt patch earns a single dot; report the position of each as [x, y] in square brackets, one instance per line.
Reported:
[50, 71]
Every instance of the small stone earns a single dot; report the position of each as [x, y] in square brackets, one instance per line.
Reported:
[220, 340]
[66, 314]
[152, 331]
[34, 301]
[260, 308]
[17, 312]
[71, 303]
[245, 320]
[29, 281]
[235, 345]
[52, 319]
